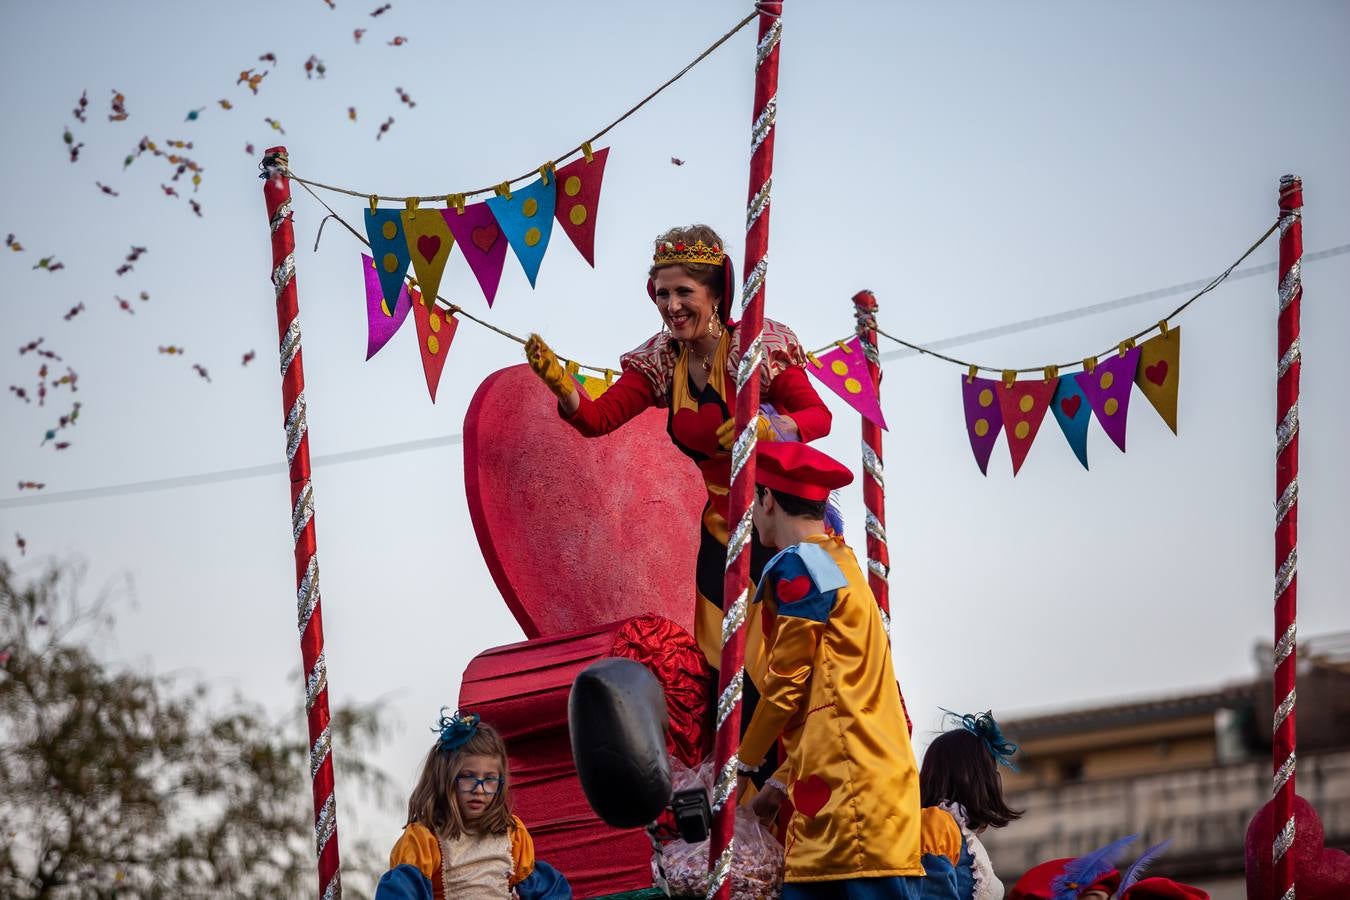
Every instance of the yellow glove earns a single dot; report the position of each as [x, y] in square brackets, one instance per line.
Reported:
[726, 432]
[545, 364]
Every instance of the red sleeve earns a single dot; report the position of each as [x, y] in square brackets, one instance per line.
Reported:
[623, 400]
[792, 395]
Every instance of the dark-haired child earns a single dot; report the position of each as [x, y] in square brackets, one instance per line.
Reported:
[962, 795]
[461, 840]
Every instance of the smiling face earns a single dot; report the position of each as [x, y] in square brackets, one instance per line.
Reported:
[474, 801]
[686, 305]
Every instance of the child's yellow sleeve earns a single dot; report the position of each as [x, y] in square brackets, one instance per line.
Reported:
[522, 852]
[418, 847]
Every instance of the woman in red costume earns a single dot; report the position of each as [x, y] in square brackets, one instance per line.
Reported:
[689, 369]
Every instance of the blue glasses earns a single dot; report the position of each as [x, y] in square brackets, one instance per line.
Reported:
[467, 784]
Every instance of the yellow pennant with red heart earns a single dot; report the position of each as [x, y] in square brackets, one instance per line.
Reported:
[1159, 373]
[429, 244]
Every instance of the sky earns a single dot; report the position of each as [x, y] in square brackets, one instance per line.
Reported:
[974, 165]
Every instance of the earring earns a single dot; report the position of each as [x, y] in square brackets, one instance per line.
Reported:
[717, 333]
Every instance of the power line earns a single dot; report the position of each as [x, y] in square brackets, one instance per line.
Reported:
[332, 459]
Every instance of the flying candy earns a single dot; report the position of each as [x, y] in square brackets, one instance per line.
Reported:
[171, 350]
[23, 551]
[314, 66]
[248, 358]
[74, 311]
[351, 113]
[20, 393]
[248, 148]
[225, 104]
[145, 295]
[384, 126]
[194, 113]
[13, 244]
[276, 125]
[403, 95]
[357, 34]
[31, 485]
[68, 380]
[252, 80]
[398, 41]
[71, 145]
[47, 354]
[676, 162]
[82, 107]
[124, 304]
[269, 58]
[48, 263]
[119, 108]
[135, 253]
[30, 346]
[105, 189]
[124, 268]
[382, 10]
[168, 191]
[196, 207]
[201, 370]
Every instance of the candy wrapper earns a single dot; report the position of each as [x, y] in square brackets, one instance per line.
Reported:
[756, 869]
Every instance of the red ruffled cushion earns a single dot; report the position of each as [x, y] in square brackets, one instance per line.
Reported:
[672, 655]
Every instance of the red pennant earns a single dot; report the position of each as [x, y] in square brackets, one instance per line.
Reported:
[579, 201]
[1023, 404]
[435, 331]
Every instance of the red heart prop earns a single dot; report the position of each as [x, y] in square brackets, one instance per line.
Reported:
[484, 236]
[567, 525]
[793, 589]
[1071, 405]
[810, 794]
[1323, 874]
[1156, 373]
[428, 245]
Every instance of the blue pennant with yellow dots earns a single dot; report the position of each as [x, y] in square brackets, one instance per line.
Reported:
[384, 229]
[1072, 412]
[526, 218]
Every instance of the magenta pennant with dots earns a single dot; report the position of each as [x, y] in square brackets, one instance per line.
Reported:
[481, 239]
[984, 420]
[382, 323]
[1107, 388]
[844, 371]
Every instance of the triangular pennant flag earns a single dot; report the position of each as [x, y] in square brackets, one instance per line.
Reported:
[983, 418]
[1023, 405]
[844, 371]
[435, 331]
[381, 324]
[1107, 388]
[1071, 410]
[384, 229]
[429, 244]
[579, 200]
[482, 243]
[592, 385]
[526, 218]
[1159, 373]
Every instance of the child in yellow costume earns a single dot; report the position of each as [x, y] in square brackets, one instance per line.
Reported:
[830, 695]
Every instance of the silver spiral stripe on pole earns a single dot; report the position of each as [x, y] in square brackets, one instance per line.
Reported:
[885, 621]
[283, 273]
[769, 41]
[1286, 771]
[1286, 644]
[874, 527]
[1288, 428]
[334, 889]
[726, 783]
[319, 752]
[1291, 356]
[872, 465]
[1291, 284]
[1288, 571]
[764, 124]
[1285, 839]
[317, 681]
[721, 870]
[296, 427]
[733, 617]
[758, 203]
[1289, 894]
[325, 824]
[303, 511]
[282, 214]
[290, 345]
[307, 595]
[1287, 501]
[876, 568]
[743, 449]
[730, 697]
[754, 280]
[1284, 709]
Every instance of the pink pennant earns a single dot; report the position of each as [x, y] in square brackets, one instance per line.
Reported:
[1107, 388]
[480, 237]
[984, 420]
[844, 371]
[382, 322]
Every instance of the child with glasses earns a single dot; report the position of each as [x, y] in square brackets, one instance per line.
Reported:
[461, 839]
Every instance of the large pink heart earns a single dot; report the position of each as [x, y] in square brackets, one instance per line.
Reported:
[1322, 873]
[578, 532]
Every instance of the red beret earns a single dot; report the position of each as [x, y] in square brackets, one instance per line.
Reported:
[799, 469]
[1036, 883]
[1162, 889]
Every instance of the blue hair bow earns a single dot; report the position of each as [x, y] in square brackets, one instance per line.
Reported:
[983, 726]
[456, 730]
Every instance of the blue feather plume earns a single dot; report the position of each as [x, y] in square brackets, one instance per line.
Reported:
[1084, 870]
[1139, 866]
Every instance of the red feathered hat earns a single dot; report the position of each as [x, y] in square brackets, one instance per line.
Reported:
[1162, 889]
[1037, 883]
[799, 469]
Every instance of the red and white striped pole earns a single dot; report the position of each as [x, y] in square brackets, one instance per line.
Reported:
[1286, 530]
[277, 193]
[736, 581]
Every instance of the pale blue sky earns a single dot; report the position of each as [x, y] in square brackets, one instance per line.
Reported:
[973, 164]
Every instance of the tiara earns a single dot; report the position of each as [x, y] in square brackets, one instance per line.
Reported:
[668, 252]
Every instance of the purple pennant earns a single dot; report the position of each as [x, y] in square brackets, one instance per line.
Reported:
[484, 245]
[1107, 388]
[983, 418]
[382, 324]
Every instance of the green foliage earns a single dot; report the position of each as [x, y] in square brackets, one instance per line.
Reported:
[119, 784]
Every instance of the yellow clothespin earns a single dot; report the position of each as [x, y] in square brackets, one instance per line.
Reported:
[1126, 346]
[1089, 364]
[586, 150]
[456, 201]
[1009, 378]
[1051, 373]
[504, 190]
[546, 171]
[572, 367]
[374, 204]
[609, 377]
[1163, 327]
[974, 370]
[842, 346]
[411, 204]
[811, 358]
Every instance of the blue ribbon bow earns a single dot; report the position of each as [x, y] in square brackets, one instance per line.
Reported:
[457, 729]
[983, 726]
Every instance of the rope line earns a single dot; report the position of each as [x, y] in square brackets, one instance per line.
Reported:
[570, 153]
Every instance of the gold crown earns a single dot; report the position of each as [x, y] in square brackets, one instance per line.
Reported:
[668, 252]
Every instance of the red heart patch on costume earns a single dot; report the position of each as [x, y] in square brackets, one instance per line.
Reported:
[810, 794]
[484, 236]
[698, 428]
[790, 590]
[1071, 405]
[1157, 373]
[428, 245]
[565, 523]
[1323, 873]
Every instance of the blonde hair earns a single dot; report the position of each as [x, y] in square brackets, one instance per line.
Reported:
[706, 275]
[433, 800]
